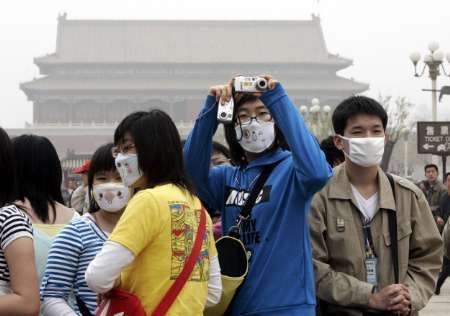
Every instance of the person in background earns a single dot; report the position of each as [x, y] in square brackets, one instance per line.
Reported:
[65, 192]
[434, 191]
[148, 248]
[80, 240]
[39, 192]
[333, 155]
[220, 156]
[280, 279]
[71, 186]
[79, 198]
[349, 222]
[19, 294]
[446, 237]
[442, 214]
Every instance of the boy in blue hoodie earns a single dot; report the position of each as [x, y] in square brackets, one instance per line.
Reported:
[266, 129]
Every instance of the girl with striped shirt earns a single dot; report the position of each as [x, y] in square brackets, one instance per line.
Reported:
[64, 290]
[19, 293]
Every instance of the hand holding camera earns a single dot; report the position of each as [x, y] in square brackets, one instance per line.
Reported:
[238, 86]
[223, 94]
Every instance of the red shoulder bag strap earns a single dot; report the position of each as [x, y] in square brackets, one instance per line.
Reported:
[185, 274]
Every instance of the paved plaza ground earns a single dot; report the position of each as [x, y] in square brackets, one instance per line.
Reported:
[439, 304]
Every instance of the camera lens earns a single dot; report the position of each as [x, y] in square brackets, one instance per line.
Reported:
[261, 84]
[223, 114]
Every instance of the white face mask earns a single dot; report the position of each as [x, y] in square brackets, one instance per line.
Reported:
[366, 151]
[127, 165]
[111, 197]
[255, 137]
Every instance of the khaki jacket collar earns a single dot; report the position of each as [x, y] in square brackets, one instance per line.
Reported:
[341, 189]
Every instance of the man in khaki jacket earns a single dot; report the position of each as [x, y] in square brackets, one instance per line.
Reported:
[350, 227]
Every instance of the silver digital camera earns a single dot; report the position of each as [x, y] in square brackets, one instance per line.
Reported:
[225, 111]
[250, 84]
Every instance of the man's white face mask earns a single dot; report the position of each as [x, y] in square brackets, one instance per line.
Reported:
[255, 137]
[366, 151]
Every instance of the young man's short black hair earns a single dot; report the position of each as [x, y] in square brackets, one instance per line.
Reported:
[354, 106]
[431, 165]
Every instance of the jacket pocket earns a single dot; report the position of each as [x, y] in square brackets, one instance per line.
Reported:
[404, 232]
[344, 249]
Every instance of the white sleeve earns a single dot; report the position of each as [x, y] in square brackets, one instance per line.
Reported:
[214, 283]
[53, 306]
[106, 267]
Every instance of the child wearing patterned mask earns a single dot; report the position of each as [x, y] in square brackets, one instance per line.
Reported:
[78, 243]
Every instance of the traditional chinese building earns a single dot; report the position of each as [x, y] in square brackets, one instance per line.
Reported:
[102, 70]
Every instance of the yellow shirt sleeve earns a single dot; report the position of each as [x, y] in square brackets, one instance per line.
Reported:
[139, 224]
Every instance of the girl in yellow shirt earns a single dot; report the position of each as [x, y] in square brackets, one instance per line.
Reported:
[147, 250]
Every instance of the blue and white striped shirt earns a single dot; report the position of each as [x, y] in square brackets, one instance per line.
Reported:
[71, 252]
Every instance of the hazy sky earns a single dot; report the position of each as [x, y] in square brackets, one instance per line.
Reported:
[377, 34]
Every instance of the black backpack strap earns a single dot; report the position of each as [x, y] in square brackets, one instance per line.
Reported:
[246, 209]
[262, 178]
[392, 217]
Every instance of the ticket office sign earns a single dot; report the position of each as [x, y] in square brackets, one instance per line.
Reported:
[433, 138]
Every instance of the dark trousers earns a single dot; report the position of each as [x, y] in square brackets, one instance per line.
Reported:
[445, 272]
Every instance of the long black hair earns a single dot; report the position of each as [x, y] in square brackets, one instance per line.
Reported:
[8, 184]
[237, 153]
[39, 170]
[102, 160]
[158, 146]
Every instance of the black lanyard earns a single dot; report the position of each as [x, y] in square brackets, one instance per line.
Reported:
[368, 241]
[392, 221]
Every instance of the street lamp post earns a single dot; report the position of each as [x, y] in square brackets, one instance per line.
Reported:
[318, 118]
[434, 62]
[405, 133]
